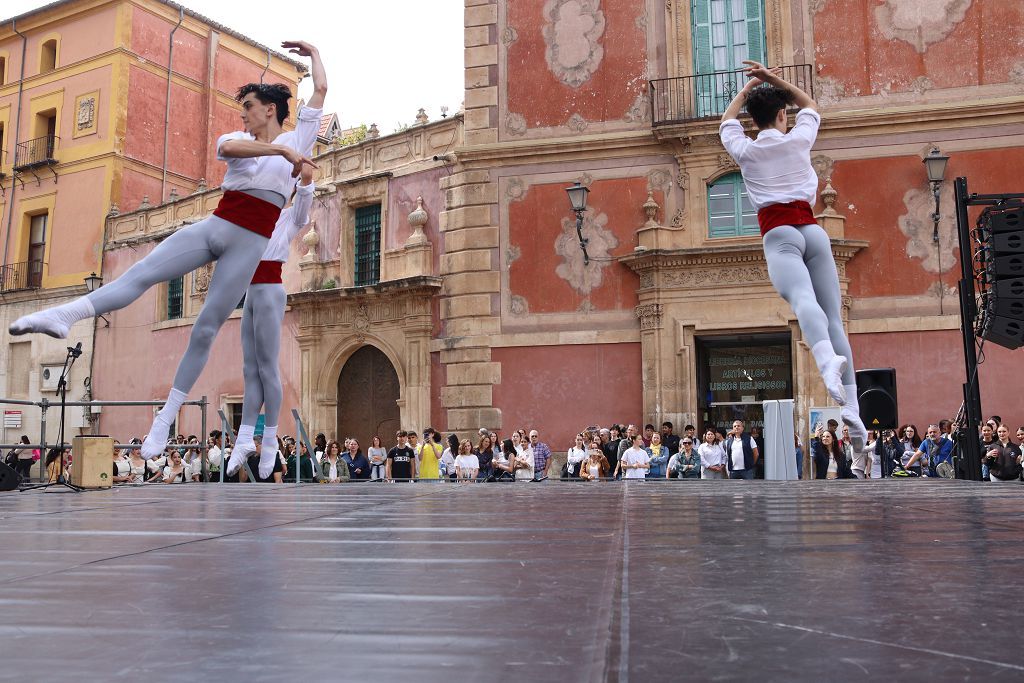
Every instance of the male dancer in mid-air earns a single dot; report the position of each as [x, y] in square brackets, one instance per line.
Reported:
[263, 312]
[263, 163]
[783, 186]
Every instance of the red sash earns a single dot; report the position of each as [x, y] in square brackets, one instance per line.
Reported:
[248, 212]
[791, 213]
[267, 273]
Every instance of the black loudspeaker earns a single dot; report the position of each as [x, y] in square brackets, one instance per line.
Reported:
[1008, 243]
[1001, 265]
[876, 392]
[9, 479]
[1006, 332]
[1007, 220]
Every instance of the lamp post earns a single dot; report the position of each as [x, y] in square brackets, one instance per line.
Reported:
[578, 199]
[935, 166]
[92, 283]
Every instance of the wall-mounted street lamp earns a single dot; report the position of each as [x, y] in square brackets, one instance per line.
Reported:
[578, 199]
[92, 283]
[935, 165]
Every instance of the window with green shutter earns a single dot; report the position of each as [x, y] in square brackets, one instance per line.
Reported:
[730, 213]
[367, 245]
[725, 33]
[175, 298]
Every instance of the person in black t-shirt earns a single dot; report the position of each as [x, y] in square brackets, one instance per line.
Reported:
[401, 462]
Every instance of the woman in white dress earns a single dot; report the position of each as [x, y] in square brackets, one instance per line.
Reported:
[635, 460]
[712, 457]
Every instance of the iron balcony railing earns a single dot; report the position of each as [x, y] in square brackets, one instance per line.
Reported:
[24, 275]
[35, 152]
[706, 96]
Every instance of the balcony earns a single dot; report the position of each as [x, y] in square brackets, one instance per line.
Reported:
[18, 276]
[704, 97]
[35, 153]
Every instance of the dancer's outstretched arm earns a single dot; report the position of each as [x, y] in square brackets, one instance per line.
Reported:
[247, 149]
[316, 70]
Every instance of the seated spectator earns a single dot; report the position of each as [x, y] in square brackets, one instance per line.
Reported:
[467, 466]
[54, 472]
[595, 467]
[685, 464]
[177, 470]
[657, 457]
[576, 455]
[1003, 457]
[358, 465]
[377, 455]
[121, 469]
[635, 460]
[524, 462]
[712, 456]
[933, 450]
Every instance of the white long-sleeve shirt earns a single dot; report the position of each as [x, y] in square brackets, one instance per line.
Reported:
[776, 167]
[291, 221]
[272, 173]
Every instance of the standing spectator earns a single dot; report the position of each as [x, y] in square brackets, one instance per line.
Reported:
[303, 462]
[712, 456]
[136, 462]
[467, 466]
[741, 453]
[430, 455]
[657, 457]
[595, 467]
[822, 448]
[648, 432]
[319, 446]
[576, 455]
[449, 455]
[415, 445]
[378, 455]
[1004, 457]
[847, 447]
[670, 440]
[634, 460]
[625, 443]
[799, 457]
[401, 464]
[332, 467]
[121, 468]
[988, 439]
[485, 458]
[686, 463]
[933, 450]
[871, 451]
[524, 461]
[504, 466]
[610, 446]
[358, 465]
[690, 431]
[214, 453]
[755, 435]
[541, 456]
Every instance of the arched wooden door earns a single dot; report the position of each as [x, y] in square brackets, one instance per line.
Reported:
[368, 393]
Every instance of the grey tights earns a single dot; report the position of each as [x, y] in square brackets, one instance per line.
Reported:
[262, 317]
[803, 271]
[237, 252]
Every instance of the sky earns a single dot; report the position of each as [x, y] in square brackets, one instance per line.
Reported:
[384, 59]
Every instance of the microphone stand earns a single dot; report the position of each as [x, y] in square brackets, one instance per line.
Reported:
[74, 352]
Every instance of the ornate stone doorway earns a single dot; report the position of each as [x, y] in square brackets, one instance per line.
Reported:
[368, 393]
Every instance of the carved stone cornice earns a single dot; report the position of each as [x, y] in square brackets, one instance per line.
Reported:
[716, 266]
[406, 302]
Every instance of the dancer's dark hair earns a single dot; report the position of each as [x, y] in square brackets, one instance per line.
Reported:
[765, 101]
[277, 94]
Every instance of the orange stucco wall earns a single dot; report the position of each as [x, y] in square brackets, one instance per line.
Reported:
[604, 96]
[535, 223]
[852, 46]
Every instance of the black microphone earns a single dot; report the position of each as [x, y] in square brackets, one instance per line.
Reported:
[76, 351]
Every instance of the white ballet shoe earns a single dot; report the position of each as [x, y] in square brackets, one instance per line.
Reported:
[858, 432]
[42, 322]
[238, 457]
[832, 375]
[268, 458]
[156, 441]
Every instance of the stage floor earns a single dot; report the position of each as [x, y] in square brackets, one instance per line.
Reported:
[808, 581]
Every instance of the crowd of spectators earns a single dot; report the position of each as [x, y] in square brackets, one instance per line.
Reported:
[597, 453]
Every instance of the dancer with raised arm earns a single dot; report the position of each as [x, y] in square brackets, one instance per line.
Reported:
[783, 186]
[263, 312]
[263, 163]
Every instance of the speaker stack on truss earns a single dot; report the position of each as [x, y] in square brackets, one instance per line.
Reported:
[1000, 232]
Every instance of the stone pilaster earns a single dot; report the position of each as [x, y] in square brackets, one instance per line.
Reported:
[481, 59]
[469, 300]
